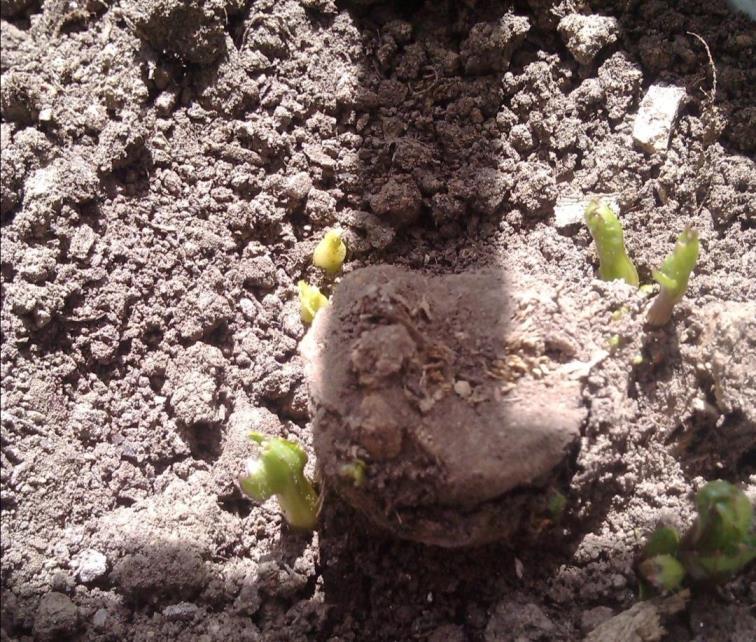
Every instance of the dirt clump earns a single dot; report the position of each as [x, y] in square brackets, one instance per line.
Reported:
[456, 394]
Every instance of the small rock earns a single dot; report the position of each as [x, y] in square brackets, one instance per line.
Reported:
[462, 388]
[181, 611]
[165, 102]
[61, 552]
[729, 352]
[61, 582]
[259, 272]
[585, 36]
[521, 138]
[291, 324]
[593, 617]
[57, 616]
[249, 601]
[488, 186]
[570, 210]
[535, 190]
[320, 207]
[157, 574]
[619, 581]
[81, 242]
[248, 308]
[513, 621]
[104, 344]
[90, 565]
[43, 184]
[200, 312]
[296, 188]
[100, 619]
[326, 7]
[37, 265]
[193, 379]
[317, 156]
[657, 112]
[191, 30]
[642, 621]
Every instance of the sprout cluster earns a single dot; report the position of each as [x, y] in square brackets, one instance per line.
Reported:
[720, 543]
[614, 263]
[329, 256]
[279, 468]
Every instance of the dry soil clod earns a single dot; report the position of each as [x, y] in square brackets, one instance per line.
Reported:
[449, 389]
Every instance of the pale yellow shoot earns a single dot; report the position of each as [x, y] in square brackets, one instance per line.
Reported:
[310, 301]
[330, 253]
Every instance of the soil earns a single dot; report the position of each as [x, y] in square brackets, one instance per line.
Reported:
[167, 169]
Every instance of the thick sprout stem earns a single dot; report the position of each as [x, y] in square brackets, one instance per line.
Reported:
[279, 471]
[673, 277]
[606, 230]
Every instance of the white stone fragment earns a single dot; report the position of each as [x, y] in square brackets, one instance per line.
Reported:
[462, 388]
[82, 241]
[90, 565]
[657, 112]
[569, 210]
[41, 182]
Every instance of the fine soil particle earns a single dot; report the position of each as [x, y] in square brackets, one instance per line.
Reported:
[167, 170]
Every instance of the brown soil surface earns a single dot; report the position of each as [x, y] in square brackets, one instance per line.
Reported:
[167, 169]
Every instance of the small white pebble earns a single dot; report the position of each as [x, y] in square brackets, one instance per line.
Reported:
[462, 388]
[657, 112]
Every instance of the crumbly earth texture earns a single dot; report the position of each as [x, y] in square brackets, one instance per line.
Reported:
[167, 170]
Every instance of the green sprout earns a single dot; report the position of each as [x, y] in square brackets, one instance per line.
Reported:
[607, 233]
[355, 471]
[310, 301]
[660, 569]
[662, 572]
[555, 506]
[665, 540]
[673, 277]
[720, 543]
[279, 471]
[330, 253]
